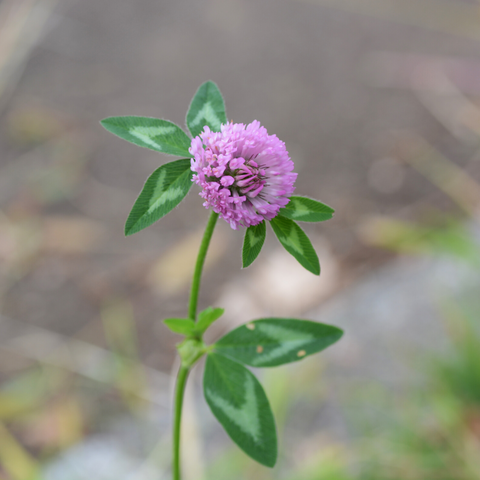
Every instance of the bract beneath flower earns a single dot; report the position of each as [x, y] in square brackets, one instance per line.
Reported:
[245, 174]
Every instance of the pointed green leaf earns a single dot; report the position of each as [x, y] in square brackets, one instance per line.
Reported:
[207, 108]
[153, 133]
[166, 187]
[296, 242]
[269, 342]
[239, 403]
[253, 243]
[207, 317]
[304, 209]
[183, 326]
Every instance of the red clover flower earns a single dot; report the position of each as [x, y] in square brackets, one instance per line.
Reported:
[245, 173]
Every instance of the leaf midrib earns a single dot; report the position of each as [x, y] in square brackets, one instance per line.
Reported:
[303, 240]
[224, 376]
[267, 343]
[177, 133]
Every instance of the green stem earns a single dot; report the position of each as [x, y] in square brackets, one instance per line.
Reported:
[202, 253]
[184, 369]
[179, 393]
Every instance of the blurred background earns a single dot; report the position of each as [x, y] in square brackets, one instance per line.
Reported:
[378, 102]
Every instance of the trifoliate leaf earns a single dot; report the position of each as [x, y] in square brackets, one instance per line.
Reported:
[153, 133]
[304, 209]
[162, 192]
[296, 242]
[253, 243]
[207, 108]
[239, 403]
[269, 342]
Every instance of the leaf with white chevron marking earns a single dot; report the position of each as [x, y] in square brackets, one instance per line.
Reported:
[304, 209]
[296, 242]
[166, 187]
[269, 342]
[239, 403]
[207, 108]
[153, 133]
[253, 243]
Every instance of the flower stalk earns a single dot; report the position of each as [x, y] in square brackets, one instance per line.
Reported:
[202, 253]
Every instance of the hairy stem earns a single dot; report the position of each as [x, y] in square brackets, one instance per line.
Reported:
[185, 369]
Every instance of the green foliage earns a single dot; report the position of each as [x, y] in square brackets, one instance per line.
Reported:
[296, 242]
[235, 396]
[451, 238]
[460, 371]
[162, 192]
[207, 317]
[153, 133]
[269, 342]
[253, 243]
[183, 326]
[207, 108]
[239, 403]
[304, 209]
[186, 326]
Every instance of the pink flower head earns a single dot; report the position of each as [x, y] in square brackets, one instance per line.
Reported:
[245, 173]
